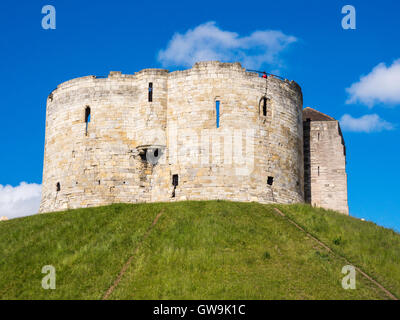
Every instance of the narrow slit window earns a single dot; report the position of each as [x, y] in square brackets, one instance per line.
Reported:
[87, 118]
[150, 91]
[318, 170]
[217, 107]
[175, 182]
[58, 187]
[264, 107]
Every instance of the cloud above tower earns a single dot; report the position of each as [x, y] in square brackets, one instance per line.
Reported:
[208, 42]
[366, 123]
[381, 85]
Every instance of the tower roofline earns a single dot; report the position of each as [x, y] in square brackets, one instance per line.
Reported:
[315, 115]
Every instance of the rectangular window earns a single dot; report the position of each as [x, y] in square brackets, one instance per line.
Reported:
[217, 112]
[175, 180]
[264, 106]
[175, 183]
[150, 91]
[87, 118]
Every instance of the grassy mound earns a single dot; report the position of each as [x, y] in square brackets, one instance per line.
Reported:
[197, 250]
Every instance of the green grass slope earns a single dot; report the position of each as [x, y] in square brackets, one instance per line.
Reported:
[197, 250]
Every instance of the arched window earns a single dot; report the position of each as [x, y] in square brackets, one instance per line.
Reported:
[87, 118]
[87, 114]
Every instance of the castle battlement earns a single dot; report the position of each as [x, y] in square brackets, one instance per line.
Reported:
[215, 131]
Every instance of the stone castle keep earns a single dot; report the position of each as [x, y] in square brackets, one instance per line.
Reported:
[215, 131]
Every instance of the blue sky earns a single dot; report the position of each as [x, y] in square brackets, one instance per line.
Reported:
[94, 37]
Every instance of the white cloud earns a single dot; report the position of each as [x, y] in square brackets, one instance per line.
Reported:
[381, 85]
[366, 123]
[19, 201]
[208, 42]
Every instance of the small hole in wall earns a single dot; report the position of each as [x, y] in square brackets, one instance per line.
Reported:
[99, 182]
[58, 187]
[150, 155]
[270, 181]
[143, 155]
[76, 182]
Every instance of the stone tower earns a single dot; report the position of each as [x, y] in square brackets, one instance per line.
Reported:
[325, 178]
[215, 131]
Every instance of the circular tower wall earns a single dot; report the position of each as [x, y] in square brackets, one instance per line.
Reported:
[251, 153]
[96, 162]
[254, 154]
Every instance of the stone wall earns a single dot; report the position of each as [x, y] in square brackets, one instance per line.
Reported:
[108, 163]
[324, 162]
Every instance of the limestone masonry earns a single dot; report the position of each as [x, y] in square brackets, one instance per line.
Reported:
[324, 162]
[215, 131]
